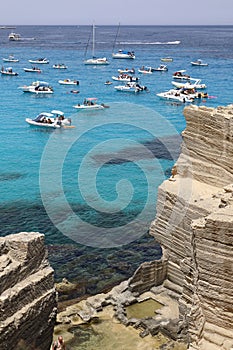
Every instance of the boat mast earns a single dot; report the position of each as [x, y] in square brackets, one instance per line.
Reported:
[89, 38]
[114, 44]
[93, 40]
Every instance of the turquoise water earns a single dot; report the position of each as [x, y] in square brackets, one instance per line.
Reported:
[92, 189]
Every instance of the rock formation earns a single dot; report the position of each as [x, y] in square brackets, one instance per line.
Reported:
[27, 294]
[194, 225]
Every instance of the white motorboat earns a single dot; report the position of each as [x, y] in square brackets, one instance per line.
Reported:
[8, 71]
[41, 89]
[60, 66]
[131, 87]
[180, 74]
[199, 63]
[10, 58]
[125, 77]
[39, 61]
[38, 87]
[94, 60]
[127, 71]
[14, 37]
[182, 95]
[33, 70]
[90, 103]
[166, 59]
[124, 54]
[145, 70]
[161, 68]
[68, 82]
[54, 120]
[196, 85]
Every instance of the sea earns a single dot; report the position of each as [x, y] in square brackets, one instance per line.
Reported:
[91, 189]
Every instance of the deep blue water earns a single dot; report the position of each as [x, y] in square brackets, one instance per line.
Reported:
[92, 189]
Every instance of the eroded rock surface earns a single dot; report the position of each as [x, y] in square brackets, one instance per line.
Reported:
[194, 225]
[27, 294]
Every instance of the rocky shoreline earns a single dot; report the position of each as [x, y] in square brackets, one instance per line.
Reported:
[161, 328]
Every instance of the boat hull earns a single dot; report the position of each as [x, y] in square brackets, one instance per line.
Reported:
[175, 96]
[10, 74]
[127, 79]
[144, 71]
[96, 62]
[126, 89]
[166, 59]
[91, 107]
[199, 64]
[43, 92]
[38, 61]
[30, 70]
[188, 85]
[10, 60]
[59, 67]
[42, 125]
[63, 82]
[123, 56]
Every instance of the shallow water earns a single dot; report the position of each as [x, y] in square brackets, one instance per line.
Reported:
[146, 308]
[111, 336]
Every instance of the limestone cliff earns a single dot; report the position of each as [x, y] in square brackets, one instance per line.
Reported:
[27, 294]
[194, 225]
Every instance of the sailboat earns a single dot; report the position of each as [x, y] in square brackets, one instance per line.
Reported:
[121, 53]
[94, 60]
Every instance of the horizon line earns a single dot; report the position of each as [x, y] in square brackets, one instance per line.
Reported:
[145, 25]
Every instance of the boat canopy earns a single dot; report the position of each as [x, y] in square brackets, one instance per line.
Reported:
[91, 99]
[54, 111]
[43, 115]
[43, 83]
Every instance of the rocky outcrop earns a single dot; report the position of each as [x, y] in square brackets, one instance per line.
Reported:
[27, 294]
[148, 275]
[194, 225]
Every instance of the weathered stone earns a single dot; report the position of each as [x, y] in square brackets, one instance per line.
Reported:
[27, 293]
[194, 225]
